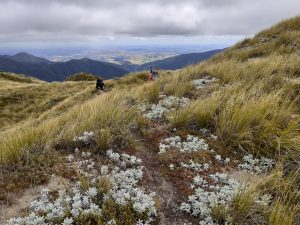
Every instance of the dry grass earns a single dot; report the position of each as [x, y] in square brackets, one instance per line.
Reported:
[149, 92]
[283, 213]
[19, 78]
[200, 113]
[108, 111]
[178, 85]
[19, 104]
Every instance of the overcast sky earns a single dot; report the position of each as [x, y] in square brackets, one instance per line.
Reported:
[136, 21]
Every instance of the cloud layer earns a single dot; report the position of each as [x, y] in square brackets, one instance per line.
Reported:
[31, 20]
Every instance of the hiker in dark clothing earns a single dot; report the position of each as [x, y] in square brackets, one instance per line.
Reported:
[100, 85]
[153, 74]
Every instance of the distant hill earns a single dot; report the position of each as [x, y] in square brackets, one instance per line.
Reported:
[47, 70]
[57, 71]
[24, 57]
[60, 70]
[175, 62]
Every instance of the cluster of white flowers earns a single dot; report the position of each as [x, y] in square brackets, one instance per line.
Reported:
[77, 203]
[125, 189]
[200, 83]
[192, 144]
[256, 165]
[219, 158]
[46, 211]
[124, 184]
[209, 192]
[86, 137]
[196, 166]
[32, 219]
[166, 104]
[264, 199]
[123, 159]
[83, 164]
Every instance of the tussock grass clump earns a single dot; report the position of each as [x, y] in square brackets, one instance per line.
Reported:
[245, 210]
[149, 92]
[18, 143]
[283, 213]
[257, 122]
[178, 85]
[241, 210]
[200, 113]
[110, 110]
[130, 80]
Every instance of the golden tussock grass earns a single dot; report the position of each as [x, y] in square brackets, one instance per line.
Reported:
[110, 111]
[19, 104]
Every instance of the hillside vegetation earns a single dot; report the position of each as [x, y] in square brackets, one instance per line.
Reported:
[219, 143]
[24, 97]
[10, 80]
[82, 77]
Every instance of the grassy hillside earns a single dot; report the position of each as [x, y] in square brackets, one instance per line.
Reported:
[11, 80]
[29, 101]
[243, 101]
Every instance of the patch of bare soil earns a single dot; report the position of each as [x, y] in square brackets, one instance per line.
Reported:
[22, 200]
[155, 180]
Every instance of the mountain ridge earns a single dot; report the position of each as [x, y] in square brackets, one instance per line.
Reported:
[47, 70]
[174, 62]
[57, 71]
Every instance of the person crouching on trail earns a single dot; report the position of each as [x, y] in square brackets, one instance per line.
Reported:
[153, 75]
[100, 85]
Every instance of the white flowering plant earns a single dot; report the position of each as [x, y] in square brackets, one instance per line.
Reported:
[86, 138]
[196, 166]
[201, 83]
[192, 144]
[165, 105]
[112, 195]
[256, 165]
[216, 189]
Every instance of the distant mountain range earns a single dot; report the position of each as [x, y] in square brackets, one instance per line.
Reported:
[175, 62]
[47, 70]
[56, 71]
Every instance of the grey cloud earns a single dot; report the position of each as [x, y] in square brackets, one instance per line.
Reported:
[92, 19]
